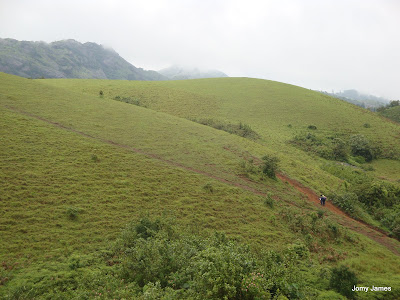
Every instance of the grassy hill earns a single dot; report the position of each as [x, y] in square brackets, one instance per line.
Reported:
[276, 111]
[67, 59]
[77, 165]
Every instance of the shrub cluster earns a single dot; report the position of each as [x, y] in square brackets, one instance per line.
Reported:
[153, 260]
[342, 280]
[129, 100]
[241, 129]
[166, 263]
[363, 193]
[268, 168]
[391, 111]
[339, 148]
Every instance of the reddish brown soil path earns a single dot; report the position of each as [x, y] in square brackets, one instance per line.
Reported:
[345, 220]
[371, 232]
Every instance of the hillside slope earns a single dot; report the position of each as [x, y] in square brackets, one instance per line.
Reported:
[67, 59]
[77, 166]
[277, 112]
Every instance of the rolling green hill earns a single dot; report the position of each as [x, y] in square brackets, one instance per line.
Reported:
[67, 59]
[276, 111]
[77, 165]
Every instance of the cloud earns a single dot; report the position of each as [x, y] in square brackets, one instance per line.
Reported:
[316, 44]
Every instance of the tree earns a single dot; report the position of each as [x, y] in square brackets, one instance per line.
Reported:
[270, 166]
[360, 146]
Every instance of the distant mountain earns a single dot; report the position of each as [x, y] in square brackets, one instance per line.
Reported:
[67, 59]
[357, 98]
[178, 72]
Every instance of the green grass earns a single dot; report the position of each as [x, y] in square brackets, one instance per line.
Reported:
[387, 169]
[75, 168]
[48, 171]
[267, 106]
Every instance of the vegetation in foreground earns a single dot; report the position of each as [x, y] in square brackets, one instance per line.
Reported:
[76, 168]
[153, 259]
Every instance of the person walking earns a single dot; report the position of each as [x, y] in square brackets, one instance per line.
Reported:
[323, 199]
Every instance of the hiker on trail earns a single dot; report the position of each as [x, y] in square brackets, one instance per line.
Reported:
[322, 199]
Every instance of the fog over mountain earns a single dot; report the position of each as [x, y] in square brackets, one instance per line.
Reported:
[321, 45]
[177, 72]
[360, 99]
[67, 59]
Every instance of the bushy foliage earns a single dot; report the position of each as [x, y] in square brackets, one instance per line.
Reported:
[343, 280]
[313, 226]
[73, 212]
[241, 129]
[378, 193]
[361, 146]
[363, 194]
[270, 166]
[204, 268]
[346, 201]
[391, 110]
[338, 148]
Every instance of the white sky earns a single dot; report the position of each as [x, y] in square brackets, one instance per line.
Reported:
[318, 44]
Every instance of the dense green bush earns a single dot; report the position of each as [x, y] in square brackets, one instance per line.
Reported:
[203, 268]
[270, 166]
[73, 212]
[338, 147]
[361, 146]
[346, 201]
[241, 129]
[342, 280]
[391, 111]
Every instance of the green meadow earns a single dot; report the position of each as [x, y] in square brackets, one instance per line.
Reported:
[78, 164]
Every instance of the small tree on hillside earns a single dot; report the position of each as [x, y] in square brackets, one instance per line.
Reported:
[270, 166]
[360, 146]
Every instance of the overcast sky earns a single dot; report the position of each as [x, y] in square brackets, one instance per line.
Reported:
[317, 44]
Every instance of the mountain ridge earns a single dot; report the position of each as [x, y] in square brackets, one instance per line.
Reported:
[67, 59]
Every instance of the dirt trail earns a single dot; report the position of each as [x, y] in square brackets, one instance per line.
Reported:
[345, 220]
[371, 232]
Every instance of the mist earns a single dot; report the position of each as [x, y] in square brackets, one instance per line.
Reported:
[321, 45]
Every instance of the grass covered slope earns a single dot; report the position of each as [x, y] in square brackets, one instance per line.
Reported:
[277, 112]
[75, 168]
